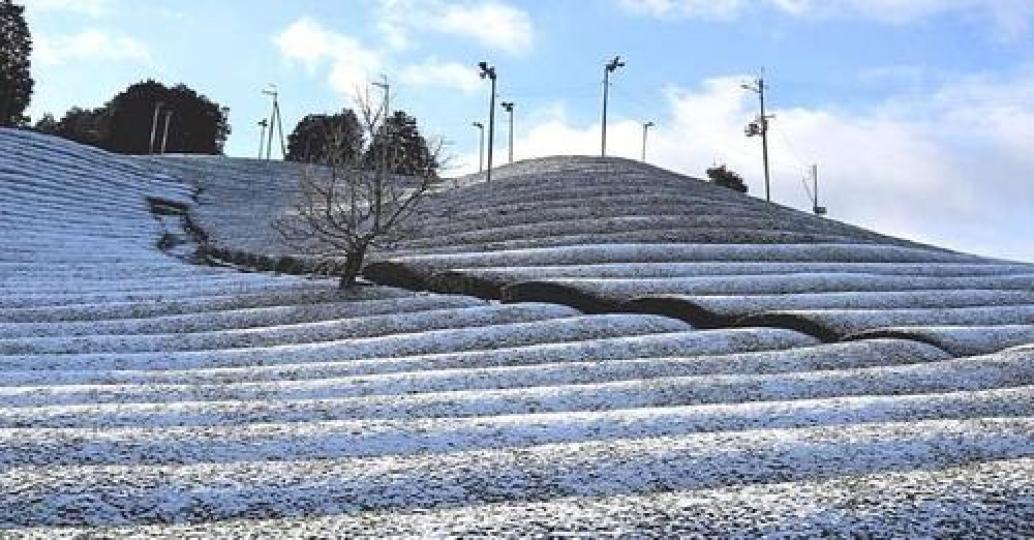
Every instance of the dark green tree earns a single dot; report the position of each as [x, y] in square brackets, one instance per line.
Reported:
[398, 143]
[197, 124]
[321, 138]
[86, 126]
[15, 79]
[722, 176]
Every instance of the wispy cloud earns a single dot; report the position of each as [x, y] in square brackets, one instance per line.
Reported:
[1009, 17]
[434, 73]
[93, 44]
[493, 24]
[351, 63]
[92, 8]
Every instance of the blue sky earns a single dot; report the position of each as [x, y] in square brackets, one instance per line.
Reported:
[919, 113]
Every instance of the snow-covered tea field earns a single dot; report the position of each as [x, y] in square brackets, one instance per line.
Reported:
[671, 359]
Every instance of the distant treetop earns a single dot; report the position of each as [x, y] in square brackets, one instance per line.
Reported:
[722, 176]
[193, 123]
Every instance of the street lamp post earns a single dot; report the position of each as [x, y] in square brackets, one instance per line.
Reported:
[646, 128]
[608, 68]
[488, 72]
[481, 146]
[760, 127]
[508, 107]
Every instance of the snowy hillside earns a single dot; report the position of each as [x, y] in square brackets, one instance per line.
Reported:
[141, 395]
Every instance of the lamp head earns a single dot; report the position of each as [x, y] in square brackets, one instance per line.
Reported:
[478, 125]
[486, 70]
[615, 63]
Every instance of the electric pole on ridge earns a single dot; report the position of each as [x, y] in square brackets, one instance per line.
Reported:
[275, 120]
[165, 132]
[646, 129]
[481, 146]
[154, 125]
[383, 85]
[819, 210]
[488, 72]
[608, 68]
[262, 136]
[508, 107]
[760, 126]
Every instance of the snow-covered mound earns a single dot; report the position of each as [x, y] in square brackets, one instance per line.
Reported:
[141, 396]
[607, 235]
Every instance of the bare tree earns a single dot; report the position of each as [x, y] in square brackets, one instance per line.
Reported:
[345, 207]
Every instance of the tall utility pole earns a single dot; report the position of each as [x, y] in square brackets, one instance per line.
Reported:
[383, 85]
[154, 126]
[760, 127]
[165, 134]
[481, 146]
[489, 73]
[386, 106]
[608, 68]
[819, 210]
[262, 137]
[275, 120]
[646, 128]
[508, 107]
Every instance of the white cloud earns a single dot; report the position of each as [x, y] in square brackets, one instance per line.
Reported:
[90, 44]
[433, 73]
[952, 170]
[704, 9]
[92, 8]
[493, 24]
[1010, 17]
[351, 63]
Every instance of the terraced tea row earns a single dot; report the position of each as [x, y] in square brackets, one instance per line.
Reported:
[143, 396]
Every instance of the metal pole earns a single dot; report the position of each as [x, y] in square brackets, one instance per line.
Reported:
[815, 185]
[508, 107]
[608, 68]
[262, 137]
[491, 131]
[165, 135]
[481, 146]
[269, 141]
[764, 138]
[606, 91]
[646, 128]
[154, 126]
[387, 95]
[280, 129]
[489, 72]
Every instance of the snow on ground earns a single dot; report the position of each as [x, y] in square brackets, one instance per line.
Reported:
[142, 396]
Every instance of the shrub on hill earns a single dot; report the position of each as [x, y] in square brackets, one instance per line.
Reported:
[319, 138]
[722, 176]
[91, 127]
[15, 79]
[399, 143]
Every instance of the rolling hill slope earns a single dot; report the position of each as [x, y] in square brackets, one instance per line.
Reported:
[142, 395]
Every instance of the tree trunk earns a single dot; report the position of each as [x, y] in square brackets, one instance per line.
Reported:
[353, 265]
